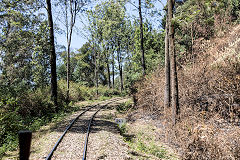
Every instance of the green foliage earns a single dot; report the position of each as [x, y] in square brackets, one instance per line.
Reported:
[204, 19]
[124, 107]
[123, 129]
[33, 109]
[154, 53]
[80, 92]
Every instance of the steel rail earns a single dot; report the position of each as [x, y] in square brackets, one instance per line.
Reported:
[88, 131]
[70, 125]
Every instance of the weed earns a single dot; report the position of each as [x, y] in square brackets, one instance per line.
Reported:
[124, 107]
[122, 129]
[157, 151]
[109, 116]
[143, 143]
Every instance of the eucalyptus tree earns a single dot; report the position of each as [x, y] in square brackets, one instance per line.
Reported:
[15, 56]
[85, 66]
[106, 53]
[141, 36]
[139, 8]
[109, 19]
[117, 21]
[167, 93]
[145, 4]
[70, 10]
[95, 38]
[173, 68]
[52, 54]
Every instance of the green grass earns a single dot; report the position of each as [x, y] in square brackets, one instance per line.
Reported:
[124, 107]
[143, 143]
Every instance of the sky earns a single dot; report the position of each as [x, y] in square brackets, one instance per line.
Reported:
[79, 37]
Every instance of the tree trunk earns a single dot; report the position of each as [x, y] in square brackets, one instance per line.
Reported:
[141, 37]
[68, 52]
[167, 68]
[174, 80]
[120, 67]
[52, 56]
[121, 78]
[113, 86]
[108, 72]
[69, 39]
[96, 72]
[108, 67]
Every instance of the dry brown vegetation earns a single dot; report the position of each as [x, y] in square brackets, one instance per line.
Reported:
[209, 88]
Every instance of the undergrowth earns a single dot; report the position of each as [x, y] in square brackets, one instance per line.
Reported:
[125, 107]
[33, 108]
[144, 143]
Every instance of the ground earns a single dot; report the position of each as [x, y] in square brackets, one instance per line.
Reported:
[135, 139]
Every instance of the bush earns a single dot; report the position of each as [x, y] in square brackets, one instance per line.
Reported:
[79, 92]
[30, 110]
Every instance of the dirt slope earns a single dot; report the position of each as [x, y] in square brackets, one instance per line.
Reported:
[209, 89]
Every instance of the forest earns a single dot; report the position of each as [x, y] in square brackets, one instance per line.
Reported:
[178, 59]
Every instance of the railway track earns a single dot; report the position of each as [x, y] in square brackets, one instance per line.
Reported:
[84, 128]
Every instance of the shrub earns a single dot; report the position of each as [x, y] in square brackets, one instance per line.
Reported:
[124, 107]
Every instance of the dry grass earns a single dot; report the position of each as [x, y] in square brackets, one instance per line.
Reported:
[209, 88]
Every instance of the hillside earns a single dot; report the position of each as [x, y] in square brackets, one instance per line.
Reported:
[179, 59]
[209, 125]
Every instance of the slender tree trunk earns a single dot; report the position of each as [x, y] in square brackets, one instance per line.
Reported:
[141, 37]
[108, 68]
[68, 51]
[167, 69]
[121, 78]
[120, 67]
[69, 39]
[52, 56]
[96, 72]
[108, 72]
[113, 85]
[174, 79]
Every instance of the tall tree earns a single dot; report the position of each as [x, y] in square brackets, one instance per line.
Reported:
[167, 67]
[52, 55]
[96, 67]
[174, 79]
[106, 56]
[141, 36]
[113, 69]
[119, 58]
[107, 28]
[72, 9]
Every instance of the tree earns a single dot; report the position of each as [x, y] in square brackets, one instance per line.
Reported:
[83, 72]
[23, 47]
[167, 67]
[52, 55]
[74, 7]
[173, 68]
[141, 36]
[107, 30]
